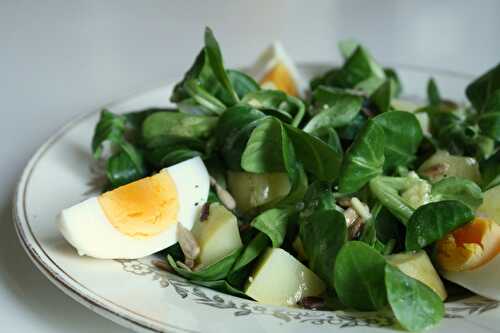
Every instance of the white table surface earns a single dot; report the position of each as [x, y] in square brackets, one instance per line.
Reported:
[62, 58]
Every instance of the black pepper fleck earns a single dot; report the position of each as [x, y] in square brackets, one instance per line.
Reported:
[205, 211]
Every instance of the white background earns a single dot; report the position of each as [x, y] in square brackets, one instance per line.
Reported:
[62, 58]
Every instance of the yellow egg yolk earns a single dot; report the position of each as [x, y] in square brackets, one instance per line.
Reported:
[143, 208]
[281, 78]
[470, 246]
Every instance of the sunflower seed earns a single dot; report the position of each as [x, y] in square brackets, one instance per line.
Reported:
[189, 263]
[183, 266]
[435, 171]
[225, 197]
[350, 216]
[344, 202]
[354, 230]
[188, 243]
[361, 208]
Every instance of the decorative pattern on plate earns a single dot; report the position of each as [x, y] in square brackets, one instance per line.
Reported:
[472, 306]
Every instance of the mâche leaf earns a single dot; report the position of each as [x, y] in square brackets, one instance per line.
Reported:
[323, 233]
[433, 221]
[274, 222]
[215, 59]
[359, 277]
[483, 88]
[459, 189]
[403, 134]
[214, 272]
[364, 160]
[333, 107]
[416, 306]
[318, 158]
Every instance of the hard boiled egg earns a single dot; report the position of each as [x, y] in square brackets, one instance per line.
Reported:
[140, 218]
[469, 257]
[274, 69]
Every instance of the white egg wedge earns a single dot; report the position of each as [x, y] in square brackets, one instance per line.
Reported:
[140, 218]
[483, 280]
[274, 69]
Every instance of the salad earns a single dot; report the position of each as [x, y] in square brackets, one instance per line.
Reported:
[339, 194]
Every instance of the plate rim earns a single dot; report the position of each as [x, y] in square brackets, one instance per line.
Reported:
[90, 300]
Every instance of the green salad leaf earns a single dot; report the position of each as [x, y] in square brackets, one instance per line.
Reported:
[161, 124]
[274, 222]
[242, 83]
[111, 127]
[359, 277]
[490, 171]
[387, 191]
[125, 166]
[403, 135]
[318, 158]
[319, 196]
[415, 305]
[222, 286]
[364, 160]
[242, 267]
[433, 94]
[333, 107]
[433, 221]
[483, 88]
[361, 71]
[233, 130]
[323, 233]
[214, 56]
[267, 148]
[276, 103]
[459, 189]
[214, 272]
[382, 97]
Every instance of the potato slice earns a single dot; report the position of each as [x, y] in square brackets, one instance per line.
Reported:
[251, 190]
[217, 236]
[442, 164]
[280, 279]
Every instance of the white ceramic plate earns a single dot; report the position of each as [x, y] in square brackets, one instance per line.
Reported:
[136, 294]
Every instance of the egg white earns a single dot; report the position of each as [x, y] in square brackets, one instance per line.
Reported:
[86, 227]
[268, 59]
[483, 280]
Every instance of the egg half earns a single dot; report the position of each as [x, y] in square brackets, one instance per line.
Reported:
[140, 218]
[469, 256]
[274, 69]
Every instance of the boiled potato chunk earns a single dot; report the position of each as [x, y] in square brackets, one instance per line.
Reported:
[280, 279]
[491, 204]
[442, 164]
[252, 190]
[217, 236]
[418, 266]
